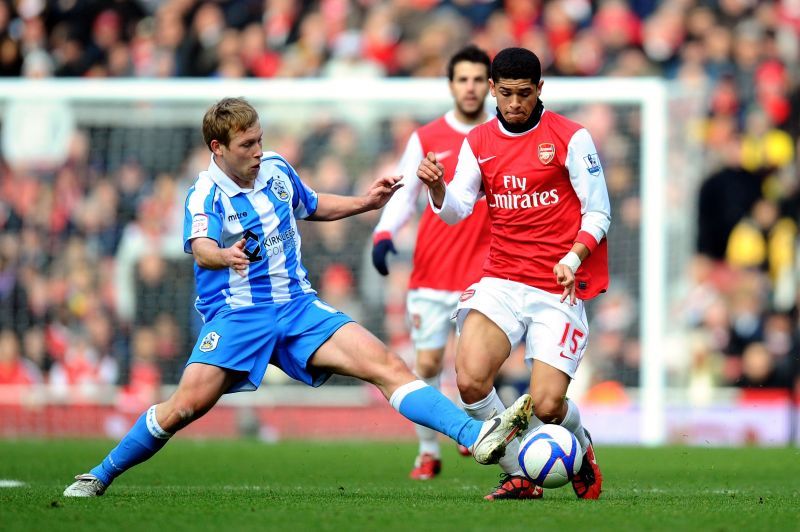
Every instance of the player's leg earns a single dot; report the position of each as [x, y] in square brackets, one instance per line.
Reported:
[200, 388]
[355, 352]
[557, 339]
[489, 326]
[548, 389]
[231, 354]
[482, 348]
[429, 319]
[428, 462]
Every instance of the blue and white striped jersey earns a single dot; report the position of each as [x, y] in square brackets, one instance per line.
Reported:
[266, 216]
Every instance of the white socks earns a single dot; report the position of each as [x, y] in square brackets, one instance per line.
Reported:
[400, 393]
[153, 427]
[572, 422]
[489, 406]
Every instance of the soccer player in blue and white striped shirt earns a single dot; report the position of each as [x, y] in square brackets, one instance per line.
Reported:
[259, 307]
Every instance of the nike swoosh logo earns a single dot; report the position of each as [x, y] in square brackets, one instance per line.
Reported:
[562, 355]
[496, 424]
[443, 155]
[482, 160]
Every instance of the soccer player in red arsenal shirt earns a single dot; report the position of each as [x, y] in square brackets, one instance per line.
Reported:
[446, 259]
[549, 211]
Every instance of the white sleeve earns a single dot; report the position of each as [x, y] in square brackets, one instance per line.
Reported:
[586, 176]
[463, 190]
[403, 204]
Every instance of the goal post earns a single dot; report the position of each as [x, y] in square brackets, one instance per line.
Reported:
[168, 113]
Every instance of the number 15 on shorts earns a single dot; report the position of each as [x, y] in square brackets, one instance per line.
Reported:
[573, 336]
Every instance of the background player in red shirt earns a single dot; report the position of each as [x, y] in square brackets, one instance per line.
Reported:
[549, 211]
[447, 259]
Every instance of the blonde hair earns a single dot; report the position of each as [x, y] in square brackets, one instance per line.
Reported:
[226, 117]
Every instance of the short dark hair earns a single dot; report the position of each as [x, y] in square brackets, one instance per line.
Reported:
[470, 53]
[516, 63]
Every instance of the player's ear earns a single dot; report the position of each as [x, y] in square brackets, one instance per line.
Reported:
[216, 147]
[491, 87]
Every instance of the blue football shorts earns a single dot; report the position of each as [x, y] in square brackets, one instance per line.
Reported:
[285, 335]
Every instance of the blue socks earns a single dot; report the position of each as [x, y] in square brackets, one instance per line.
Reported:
[144, 440]
[426, 406]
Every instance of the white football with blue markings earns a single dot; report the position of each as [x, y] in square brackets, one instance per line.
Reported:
[550, 456]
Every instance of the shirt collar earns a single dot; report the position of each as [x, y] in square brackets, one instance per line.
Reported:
[227, 184]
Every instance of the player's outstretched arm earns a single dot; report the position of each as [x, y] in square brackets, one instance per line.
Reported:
[208, 254]
[431, 173]
[334, 207]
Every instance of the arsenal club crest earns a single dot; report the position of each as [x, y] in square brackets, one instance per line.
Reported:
[547, 151]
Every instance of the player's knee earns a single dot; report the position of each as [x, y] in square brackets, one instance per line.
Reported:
[472, 390]
[548, 408]
[186, 414]
[182, 411]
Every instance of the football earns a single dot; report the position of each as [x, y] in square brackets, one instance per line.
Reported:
[550, 456]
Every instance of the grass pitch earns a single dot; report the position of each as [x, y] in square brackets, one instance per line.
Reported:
[247, 485]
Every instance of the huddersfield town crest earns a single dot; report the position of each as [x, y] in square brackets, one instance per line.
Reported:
[279, 189]
[547, 151]
[209, 342]
[592, 163]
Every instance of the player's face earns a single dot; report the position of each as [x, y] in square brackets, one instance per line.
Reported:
[469, 88]
[516, 98]
[241, 158]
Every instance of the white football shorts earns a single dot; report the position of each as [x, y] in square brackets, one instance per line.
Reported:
[429, 312]
[555, 333]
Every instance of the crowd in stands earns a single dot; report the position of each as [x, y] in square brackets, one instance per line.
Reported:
[95, 288]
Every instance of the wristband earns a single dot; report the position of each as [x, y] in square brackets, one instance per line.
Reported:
[587, 240]
[572, 261]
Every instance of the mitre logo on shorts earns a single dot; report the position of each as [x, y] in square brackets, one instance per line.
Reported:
[466, 295]
[547, 151]
[279, 189]
[199, 224]
[209, 342]
[416, 321]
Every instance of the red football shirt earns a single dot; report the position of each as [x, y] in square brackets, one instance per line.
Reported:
[545, 190]
[445, 257]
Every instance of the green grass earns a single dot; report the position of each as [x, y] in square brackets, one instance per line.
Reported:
[298, 486]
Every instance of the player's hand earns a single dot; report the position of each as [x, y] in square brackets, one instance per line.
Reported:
[382, 190]
[236, 259]
[430, 171]
[565, 278]
[381, 247]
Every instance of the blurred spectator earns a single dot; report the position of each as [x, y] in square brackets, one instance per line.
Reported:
[142, 389]
[14, 369]
[83, 370]
[337, 288]
[726, 197]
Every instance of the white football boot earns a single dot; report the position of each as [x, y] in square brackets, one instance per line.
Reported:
[85, 485]
[498, 431]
